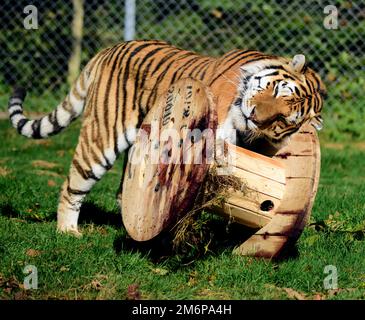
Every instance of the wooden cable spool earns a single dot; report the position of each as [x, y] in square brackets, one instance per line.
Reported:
[163, 175]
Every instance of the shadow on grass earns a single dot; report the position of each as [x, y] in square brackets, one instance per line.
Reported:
[216, 238]
[90, 213]
[8, 211]
[323, 226]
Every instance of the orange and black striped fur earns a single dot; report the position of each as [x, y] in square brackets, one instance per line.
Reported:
[257, 94]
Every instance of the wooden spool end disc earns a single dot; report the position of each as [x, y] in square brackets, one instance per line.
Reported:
[168, 162]
[301, 160]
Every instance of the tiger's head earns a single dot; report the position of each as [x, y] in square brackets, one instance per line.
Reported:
[276, 98]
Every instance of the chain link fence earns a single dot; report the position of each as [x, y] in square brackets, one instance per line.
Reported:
[330, 33]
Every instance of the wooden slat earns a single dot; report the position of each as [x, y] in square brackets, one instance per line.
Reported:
[298, 167]
[264, 185]
[252, 201]
[253, 219]
[258, 164]
[261, 246]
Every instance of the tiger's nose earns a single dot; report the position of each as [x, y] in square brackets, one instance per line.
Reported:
[263, 112]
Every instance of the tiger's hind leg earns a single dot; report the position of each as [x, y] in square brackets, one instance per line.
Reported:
[90, 162]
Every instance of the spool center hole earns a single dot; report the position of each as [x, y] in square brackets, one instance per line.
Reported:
[267, 205]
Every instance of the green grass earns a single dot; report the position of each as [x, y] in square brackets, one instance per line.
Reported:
[103, 264]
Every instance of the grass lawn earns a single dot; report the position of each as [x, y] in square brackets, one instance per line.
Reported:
[105, 264]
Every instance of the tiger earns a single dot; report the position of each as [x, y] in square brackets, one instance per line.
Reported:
[257, 94]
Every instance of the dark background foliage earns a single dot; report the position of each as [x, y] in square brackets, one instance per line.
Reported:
[39, 58]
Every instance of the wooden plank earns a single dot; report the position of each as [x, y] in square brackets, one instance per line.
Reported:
[253, 219]
[257, 163]
[261, 184]
[252, 202]
[261, 246]
[298, 167]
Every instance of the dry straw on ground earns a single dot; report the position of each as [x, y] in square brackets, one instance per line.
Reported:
[189, 232]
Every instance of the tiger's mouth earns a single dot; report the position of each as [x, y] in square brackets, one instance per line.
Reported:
[250, 122]
[248, 116]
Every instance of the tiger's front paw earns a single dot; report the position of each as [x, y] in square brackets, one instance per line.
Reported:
[69, 230]
[67, 221]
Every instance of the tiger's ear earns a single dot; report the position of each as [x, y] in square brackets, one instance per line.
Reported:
[298, 63]
[317, 122]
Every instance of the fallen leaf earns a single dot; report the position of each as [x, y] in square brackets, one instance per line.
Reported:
[133, 292]
[160, 271]
[318, 297]
[215, 293]
[18, 220]
[4, 171]
[44, 164]
[47, 173]
[33, 253]
[60, 153]
[192, 279]
[51, 183]
[211, 279]
[334, 292]
[10, 284]
[32, 143]
[96, 284]
[103, 231]
[21, 295]
[64, 269]
[311, 240]
[292, 294]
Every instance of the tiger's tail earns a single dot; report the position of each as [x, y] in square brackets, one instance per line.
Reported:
[67, 111]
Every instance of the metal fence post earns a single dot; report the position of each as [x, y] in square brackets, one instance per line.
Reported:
[130, 20]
